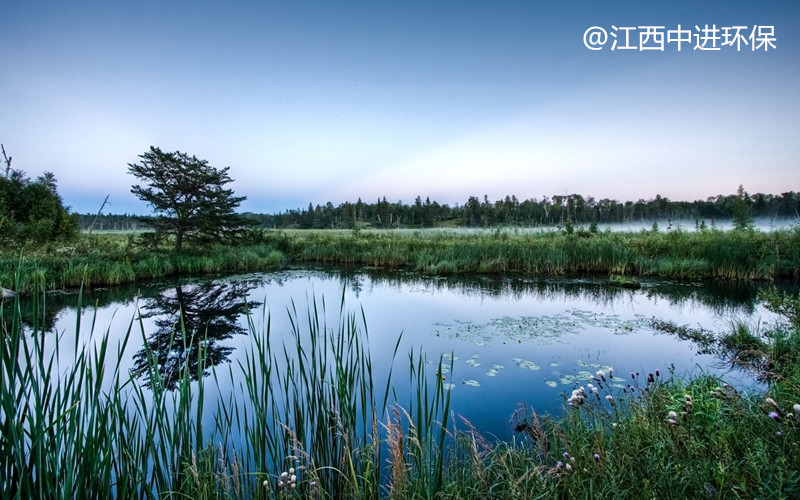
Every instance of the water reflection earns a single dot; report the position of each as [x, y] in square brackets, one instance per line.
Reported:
[723, 297]
[508, 321]
[192, 322]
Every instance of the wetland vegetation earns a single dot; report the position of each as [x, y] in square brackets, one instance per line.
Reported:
[303, 412]
[306, 415]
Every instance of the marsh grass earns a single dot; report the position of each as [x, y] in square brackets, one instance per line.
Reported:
[75, 424]
[106, 260]
[706, 254]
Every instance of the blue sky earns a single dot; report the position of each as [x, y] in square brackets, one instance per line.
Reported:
[311, 101]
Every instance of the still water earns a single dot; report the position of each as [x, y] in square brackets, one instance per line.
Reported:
[509, 340]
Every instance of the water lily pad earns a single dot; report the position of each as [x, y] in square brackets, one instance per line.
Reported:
[524, 363]
[448, 386]
[551, 383]
[472, 383]
[567, 379]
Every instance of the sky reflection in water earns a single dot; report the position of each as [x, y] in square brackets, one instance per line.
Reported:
[510, 341]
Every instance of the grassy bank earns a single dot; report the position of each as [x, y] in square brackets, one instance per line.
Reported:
[707, 254]
[103, 260]
[304, 419]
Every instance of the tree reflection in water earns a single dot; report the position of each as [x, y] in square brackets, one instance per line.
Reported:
[192, 321]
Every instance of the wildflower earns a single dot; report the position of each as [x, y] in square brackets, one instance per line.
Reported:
[633, 375]
[601, 375]
[774, 416]
[672, 418]
[658, 373]
[611, 373]
[568, 468]
[796, 409]
[559, 465]
[771, 402]
[780, 434]
[578, 397]
[288, 479]
[610, 399]
[615, 425]
[650, 379]
[565, 455]
[596, 457]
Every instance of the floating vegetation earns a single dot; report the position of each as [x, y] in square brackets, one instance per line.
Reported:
[567, 379]
[554, 364]
[448, 386]
[472, 383]
[540, 330]
[524, 363]
[494, 370]
[473, 361]
[551, 383]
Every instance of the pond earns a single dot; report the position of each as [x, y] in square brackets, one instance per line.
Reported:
[509, 340]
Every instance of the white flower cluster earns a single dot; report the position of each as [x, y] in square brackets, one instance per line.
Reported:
[288, 480]
[578, 397]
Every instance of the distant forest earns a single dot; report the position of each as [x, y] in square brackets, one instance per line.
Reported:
[510, 211]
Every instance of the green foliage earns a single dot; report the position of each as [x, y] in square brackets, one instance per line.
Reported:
[721, 255]
[113, 260]
[740, 211]
[31, 211]
[189, 199]
[773, 354]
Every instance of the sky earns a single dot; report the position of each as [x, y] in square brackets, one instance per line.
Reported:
[317, 101]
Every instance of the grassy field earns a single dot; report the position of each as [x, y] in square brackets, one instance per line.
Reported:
[708, 254]
[111, 259]
[304, 420]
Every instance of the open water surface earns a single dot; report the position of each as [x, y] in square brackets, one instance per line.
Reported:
[509, 340]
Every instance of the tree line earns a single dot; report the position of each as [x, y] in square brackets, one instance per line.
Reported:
[510, 211]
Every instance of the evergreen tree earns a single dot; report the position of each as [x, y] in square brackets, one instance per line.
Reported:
[189, 199]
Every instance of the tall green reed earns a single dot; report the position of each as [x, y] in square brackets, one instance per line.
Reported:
[76, 423]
